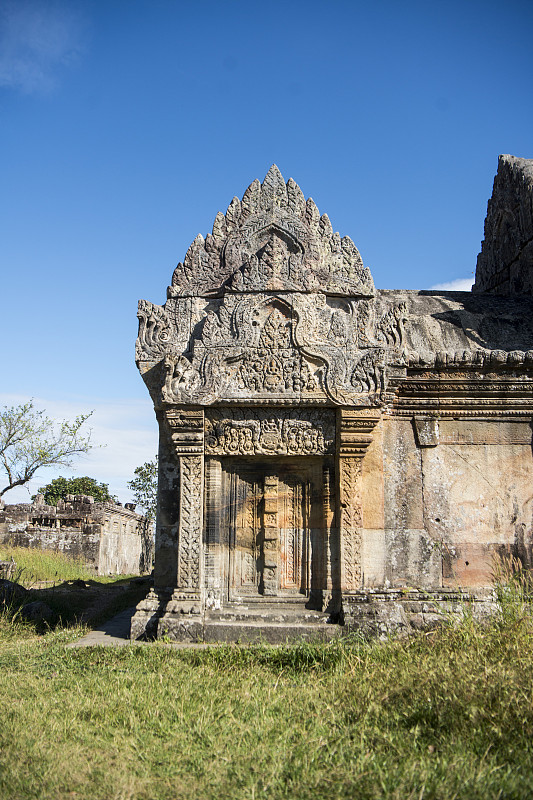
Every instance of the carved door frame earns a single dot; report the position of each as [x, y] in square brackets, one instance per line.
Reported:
[287, 502]
[194, 566]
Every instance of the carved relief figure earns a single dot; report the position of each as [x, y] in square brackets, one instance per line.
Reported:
[231, 432]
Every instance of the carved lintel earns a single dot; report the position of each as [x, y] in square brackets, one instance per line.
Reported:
[269, 432]
[354, 435]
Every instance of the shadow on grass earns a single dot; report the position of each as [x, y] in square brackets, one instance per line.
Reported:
[76, 602]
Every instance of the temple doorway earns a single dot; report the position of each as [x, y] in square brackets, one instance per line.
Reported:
[270, 524]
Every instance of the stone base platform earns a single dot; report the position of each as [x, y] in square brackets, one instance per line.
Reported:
[272, 622]
[375, 614]
[401, 612]
[257, 620]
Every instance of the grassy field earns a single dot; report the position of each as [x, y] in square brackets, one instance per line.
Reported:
[442, 715]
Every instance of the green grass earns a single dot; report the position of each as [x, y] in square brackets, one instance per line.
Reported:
[445, 715]
[35, 565]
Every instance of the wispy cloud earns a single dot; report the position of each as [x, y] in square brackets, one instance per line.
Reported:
[458, 285]
[124, 433]
[37, 37]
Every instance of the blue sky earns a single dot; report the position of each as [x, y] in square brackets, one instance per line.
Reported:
[126, 125]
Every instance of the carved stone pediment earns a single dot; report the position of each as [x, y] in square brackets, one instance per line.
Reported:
[271, 308]
[273, 239]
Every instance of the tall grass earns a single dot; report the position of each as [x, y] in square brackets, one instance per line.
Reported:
[445, 715]
[34, 565]
[513, 587]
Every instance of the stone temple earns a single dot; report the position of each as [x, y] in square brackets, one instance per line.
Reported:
[330, 452]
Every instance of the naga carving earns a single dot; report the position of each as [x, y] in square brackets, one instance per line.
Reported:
[155, 333]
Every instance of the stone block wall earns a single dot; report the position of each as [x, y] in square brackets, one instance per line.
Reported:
[441, 509]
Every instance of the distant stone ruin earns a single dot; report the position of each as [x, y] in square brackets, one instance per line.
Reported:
[324, 445]
[108, 538]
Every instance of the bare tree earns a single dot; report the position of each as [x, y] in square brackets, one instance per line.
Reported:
[30, 440]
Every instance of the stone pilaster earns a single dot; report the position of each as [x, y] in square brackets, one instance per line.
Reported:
[181, 620]
[215, 529]
[176, 601]
[354, 434]
[327, 524]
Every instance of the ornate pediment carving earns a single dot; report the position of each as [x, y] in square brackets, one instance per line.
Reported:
[273, 307]
[272, 240]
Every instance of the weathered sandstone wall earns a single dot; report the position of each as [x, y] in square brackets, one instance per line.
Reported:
[437, 515]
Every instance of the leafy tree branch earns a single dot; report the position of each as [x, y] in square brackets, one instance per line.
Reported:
[29, 441]
[60, 487]
[144, 487]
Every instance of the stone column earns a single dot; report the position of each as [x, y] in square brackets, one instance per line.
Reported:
[354, 434]
[270, 536]
[328, 527]
[215, 525]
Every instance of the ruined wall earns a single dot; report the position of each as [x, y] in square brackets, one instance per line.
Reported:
[505, 264]
[17, 530]
[125, 546]
[108, 538]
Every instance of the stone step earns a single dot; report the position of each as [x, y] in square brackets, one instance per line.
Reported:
[268, 632]
[278, 612]
[296, 600]
[265, 614]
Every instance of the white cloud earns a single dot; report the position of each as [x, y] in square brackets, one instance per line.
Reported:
[458, 285]
[124, 432]
[35, 39]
